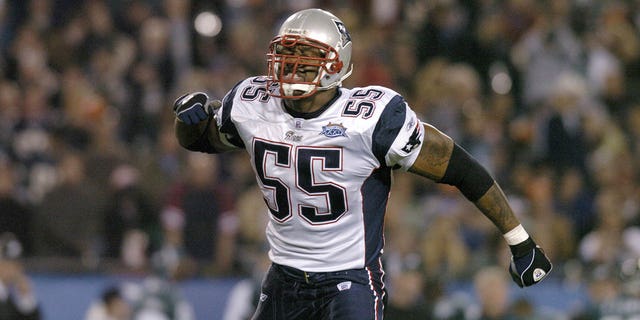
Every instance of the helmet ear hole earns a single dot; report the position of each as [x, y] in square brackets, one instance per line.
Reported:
[335, 67]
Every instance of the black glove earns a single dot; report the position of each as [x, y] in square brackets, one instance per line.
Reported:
[529, 264]
[190, 108]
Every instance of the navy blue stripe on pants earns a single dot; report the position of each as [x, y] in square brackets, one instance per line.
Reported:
[291, 294]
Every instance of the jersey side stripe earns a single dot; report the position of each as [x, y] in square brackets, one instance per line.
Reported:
[377, 286]
[375, 192]
[376, 300]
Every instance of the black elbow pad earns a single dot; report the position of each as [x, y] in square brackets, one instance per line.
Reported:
[203, 144]
[465, 173]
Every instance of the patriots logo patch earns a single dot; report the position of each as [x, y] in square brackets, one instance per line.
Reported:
[345, 37]
[414, 140]
[333, 130]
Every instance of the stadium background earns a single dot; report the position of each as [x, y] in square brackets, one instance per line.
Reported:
[96, 189]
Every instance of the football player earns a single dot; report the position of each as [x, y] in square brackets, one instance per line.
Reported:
[323, 157]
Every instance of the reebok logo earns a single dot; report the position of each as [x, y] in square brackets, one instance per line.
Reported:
[538, 274]
[292, 136]
[342, 286]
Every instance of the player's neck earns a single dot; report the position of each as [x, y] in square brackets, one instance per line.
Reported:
[313, 103]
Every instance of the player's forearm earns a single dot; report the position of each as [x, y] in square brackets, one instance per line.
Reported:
[202, 137]
[186, 134]
[494, 205]
[477, 185]
[445, 162]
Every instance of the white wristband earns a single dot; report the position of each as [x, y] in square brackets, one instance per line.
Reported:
[516, 235]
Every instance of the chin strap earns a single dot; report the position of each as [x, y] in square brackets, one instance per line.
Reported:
[338, 83]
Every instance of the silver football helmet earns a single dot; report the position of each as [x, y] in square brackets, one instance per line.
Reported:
[315, 29]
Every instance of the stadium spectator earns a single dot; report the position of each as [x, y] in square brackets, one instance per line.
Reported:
[209, 226]
[128, 212]
[16, 217]
[111, 306]
[58, 232]
[18, 299]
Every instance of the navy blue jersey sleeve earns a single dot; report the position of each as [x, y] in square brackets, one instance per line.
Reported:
[398, 135]
[388, 126]
[225, 124]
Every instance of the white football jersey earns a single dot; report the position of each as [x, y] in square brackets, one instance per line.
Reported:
[326, 176]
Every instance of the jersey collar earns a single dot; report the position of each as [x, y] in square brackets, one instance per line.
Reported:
[310, 115]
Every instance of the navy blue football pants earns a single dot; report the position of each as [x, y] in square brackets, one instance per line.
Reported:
[292, 294]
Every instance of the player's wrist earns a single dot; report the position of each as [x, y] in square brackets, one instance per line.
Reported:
[519, 241]
[516, 235]
[523, 248]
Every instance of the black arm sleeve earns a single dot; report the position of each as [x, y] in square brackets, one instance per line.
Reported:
[466, 174]
[203, 144]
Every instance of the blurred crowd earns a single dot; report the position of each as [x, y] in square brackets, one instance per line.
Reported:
[541, 92]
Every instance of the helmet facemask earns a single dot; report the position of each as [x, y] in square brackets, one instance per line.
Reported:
[291, 57]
